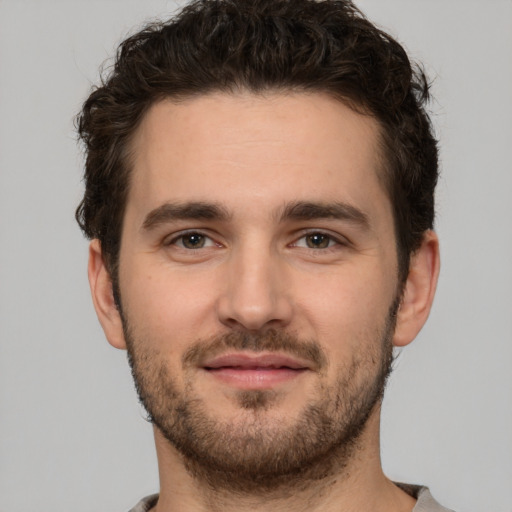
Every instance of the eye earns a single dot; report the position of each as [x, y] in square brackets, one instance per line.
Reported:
[316, 240]
[192, 240]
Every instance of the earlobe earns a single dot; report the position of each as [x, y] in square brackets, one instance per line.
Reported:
[419, 290]
[103, 297]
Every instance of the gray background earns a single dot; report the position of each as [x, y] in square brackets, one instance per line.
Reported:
[72, 436]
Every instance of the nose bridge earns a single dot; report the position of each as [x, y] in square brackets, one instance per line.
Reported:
[254, 294]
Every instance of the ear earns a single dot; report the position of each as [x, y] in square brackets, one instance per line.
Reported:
[419, 290]
[103, 297]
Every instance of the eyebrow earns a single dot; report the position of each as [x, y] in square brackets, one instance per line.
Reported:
[198, 210]
[303, 210]
[298, 211]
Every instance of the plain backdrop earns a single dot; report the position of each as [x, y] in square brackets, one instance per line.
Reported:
[72, 435]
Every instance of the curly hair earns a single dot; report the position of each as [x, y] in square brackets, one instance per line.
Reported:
[323, 46]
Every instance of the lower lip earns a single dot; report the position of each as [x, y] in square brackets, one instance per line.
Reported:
[254, 378]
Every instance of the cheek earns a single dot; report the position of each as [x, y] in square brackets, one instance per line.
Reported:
[166, 308]
[348, 311]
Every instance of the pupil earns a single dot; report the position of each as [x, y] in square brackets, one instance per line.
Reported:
[318, 241]
[193, 241]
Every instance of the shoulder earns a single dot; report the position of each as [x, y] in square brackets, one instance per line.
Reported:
[145, 504]
[425, 501]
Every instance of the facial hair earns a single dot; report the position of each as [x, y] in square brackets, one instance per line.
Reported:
[258, 455]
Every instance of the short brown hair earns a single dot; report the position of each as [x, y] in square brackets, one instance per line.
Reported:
[259, 45]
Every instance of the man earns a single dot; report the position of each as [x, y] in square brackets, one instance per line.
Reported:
[259, 195]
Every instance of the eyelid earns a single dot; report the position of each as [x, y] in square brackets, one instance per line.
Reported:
[335, 237]
[174, 237]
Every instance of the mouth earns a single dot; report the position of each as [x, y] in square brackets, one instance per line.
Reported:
[254, 371]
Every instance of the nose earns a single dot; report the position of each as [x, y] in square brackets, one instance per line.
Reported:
[254, 295]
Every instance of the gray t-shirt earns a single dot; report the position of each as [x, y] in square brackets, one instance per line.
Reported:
[425, 501]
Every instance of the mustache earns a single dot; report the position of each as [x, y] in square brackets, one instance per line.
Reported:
[271, 340]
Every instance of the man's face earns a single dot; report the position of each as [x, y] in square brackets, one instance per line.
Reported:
[258, 277]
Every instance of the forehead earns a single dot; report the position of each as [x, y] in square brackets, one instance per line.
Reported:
[256, 152]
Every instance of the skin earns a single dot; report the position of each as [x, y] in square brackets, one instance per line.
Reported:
[253, 156]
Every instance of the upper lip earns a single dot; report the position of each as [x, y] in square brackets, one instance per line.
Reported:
[247, 360]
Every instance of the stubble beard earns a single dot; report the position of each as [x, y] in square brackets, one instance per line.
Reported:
[253, 454]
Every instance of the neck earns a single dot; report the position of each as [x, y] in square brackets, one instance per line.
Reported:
[357, 484]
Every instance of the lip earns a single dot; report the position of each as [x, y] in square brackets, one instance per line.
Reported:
[254, 371]
[247, 361]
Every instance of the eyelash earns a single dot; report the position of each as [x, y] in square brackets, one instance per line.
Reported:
[333, 241]
[180, 236]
